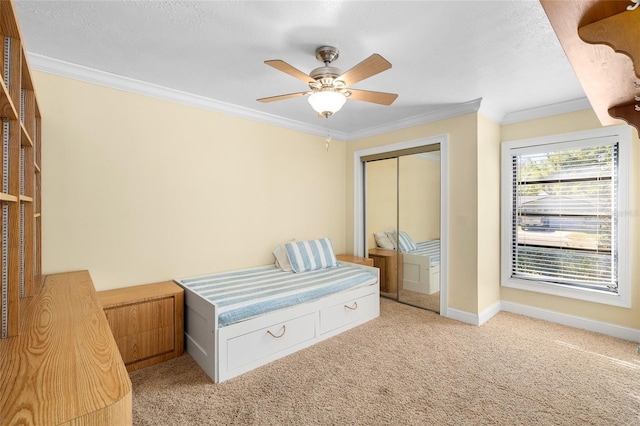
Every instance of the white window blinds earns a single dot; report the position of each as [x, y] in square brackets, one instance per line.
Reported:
[564, 214]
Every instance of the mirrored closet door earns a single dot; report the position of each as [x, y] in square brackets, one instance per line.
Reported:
[402, 211]
[381, 206]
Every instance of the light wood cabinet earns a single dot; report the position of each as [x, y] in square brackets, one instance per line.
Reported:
[387, 261]
[355, 259]
[20, 214]
[147, 322]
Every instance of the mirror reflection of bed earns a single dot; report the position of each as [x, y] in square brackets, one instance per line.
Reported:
[403, 225]
[420, 283]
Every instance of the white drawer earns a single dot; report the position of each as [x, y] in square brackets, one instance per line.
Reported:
[267, 341]
[347, 312]
[435, 268]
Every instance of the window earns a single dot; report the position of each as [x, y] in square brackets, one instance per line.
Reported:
[565, 215]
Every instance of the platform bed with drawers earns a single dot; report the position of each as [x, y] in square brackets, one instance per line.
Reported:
[237, 321]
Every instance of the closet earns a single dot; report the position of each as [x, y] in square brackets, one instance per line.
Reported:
[402, 217]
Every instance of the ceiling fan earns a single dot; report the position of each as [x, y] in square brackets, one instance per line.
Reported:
[330, 87]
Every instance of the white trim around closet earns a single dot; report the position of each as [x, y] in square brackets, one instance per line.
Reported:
[358, 203]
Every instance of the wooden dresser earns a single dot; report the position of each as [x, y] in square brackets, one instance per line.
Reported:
[387, 261]
[147, 322]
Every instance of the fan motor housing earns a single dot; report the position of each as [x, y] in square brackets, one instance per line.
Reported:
[327, 54]
[325, 77]
[325, 72]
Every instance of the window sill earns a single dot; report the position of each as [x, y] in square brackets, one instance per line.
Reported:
[595, 296]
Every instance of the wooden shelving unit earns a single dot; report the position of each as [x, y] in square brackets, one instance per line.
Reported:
[600, 39]
[20, 195]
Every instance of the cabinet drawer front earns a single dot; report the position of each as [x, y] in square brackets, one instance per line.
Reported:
[139, 317]
[258, 344]
[146, 344]
[345, 313]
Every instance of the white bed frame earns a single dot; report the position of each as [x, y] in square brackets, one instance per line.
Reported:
[420, 274]
[229, 351]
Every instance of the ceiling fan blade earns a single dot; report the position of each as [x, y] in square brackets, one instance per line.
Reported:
[282, 97]
[381, 98]
[373, 65]
[289, 69]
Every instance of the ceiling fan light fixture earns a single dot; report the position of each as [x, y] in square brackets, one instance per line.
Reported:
[327, 102]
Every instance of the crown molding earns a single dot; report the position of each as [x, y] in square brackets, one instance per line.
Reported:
[547, 111]
[91, 75]
[114, 81]
[447, 112]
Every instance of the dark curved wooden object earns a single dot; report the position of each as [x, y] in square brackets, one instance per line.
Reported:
[600, 39]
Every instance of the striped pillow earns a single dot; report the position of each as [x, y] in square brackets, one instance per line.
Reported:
[310, 255]
[405, 243]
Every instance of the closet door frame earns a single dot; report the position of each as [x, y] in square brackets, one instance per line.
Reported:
[359, 187]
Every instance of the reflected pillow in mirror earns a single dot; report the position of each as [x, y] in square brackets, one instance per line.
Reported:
[405, 243]
[383, 241]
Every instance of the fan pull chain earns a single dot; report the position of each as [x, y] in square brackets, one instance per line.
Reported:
[328, 138]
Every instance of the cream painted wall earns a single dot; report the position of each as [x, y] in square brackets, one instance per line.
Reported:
[139, 190]
[583, 120]
[463, 243]
[488, 213]
[420, 197]
[381, 197]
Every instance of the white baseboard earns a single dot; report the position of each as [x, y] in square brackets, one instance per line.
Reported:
[474, 319]
[463, 316]
[626, 333]
[488, 313]
[613, 330]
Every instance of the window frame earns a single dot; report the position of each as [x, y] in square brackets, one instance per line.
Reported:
[572, 140]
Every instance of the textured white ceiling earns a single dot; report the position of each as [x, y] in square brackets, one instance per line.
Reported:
[443, 52]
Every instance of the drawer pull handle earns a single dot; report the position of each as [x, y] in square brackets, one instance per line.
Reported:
[284, 330]
[355, 306]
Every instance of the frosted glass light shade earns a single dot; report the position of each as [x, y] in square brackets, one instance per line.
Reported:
[327, 102]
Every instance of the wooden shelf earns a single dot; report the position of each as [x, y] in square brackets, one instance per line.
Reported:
[620, 32]
[8, 22]
[608, 78]
[25, 139]
[19, 109]
[7, 110]
[7, 197]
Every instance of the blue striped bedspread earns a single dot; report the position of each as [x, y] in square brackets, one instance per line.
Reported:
[248, 293]
[428, 248]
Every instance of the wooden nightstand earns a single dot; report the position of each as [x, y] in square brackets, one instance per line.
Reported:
[355, 259]
[147, 322]
[387, 261]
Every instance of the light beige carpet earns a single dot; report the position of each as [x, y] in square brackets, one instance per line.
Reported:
[413, 367]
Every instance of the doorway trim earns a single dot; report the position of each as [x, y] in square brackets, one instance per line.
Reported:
[358, 203]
